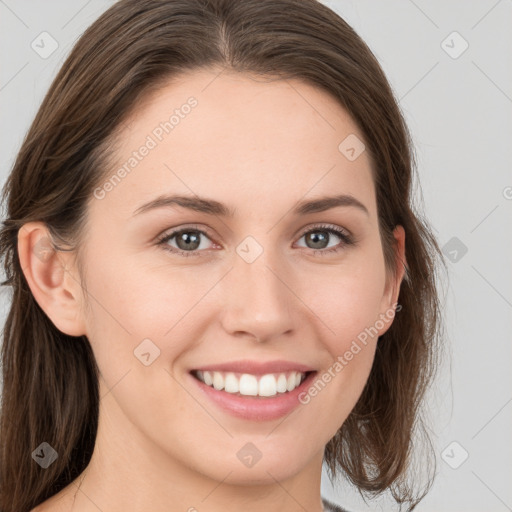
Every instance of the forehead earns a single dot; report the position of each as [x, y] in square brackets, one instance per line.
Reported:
[237, 136]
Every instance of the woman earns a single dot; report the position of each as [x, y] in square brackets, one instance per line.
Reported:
[219, 282]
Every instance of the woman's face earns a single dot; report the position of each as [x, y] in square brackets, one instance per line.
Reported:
[254, 285]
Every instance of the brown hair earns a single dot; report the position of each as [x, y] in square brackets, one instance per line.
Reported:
[136, 46]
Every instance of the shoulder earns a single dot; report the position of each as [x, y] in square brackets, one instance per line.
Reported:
[331, 507]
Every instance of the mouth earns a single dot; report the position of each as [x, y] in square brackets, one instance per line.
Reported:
[250, 385]
[254, 391]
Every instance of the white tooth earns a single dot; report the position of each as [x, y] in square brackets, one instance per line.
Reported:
[297, 379]
[281, 383]
[290, 383]
[208, 380]
[267, 385]
[200, 375]
[218, 380]
[231, 383]
[248, 385]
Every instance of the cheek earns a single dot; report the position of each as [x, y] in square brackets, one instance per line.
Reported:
[349, 300]
[351, 311]
[140, 299]
[132, 302]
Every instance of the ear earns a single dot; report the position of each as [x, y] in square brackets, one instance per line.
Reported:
[50, 276]
[393, 282]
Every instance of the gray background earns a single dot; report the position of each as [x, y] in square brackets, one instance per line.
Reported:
[459, 110]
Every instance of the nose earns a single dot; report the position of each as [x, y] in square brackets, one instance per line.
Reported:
[258, 300]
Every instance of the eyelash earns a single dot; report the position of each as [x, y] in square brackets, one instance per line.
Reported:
[346, 238]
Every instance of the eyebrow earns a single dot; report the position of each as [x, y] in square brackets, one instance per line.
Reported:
[212, 207]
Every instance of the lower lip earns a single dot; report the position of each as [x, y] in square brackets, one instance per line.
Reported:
[255, 408]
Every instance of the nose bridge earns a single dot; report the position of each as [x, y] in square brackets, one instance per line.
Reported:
[258, 300]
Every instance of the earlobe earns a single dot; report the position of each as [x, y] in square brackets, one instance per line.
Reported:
[55, 289]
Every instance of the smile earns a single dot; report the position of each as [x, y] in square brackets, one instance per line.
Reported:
[246, 384]
[253, 391]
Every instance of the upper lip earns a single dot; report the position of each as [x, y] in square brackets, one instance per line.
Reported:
[257, 368]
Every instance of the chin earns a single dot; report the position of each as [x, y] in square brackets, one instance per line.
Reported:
[249, 466]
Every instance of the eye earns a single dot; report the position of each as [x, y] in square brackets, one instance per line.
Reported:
[187, 241]
[190, 241]
[319, 237]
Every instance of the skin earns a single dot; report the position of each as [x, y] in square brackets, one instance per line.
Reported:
[161, 445]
